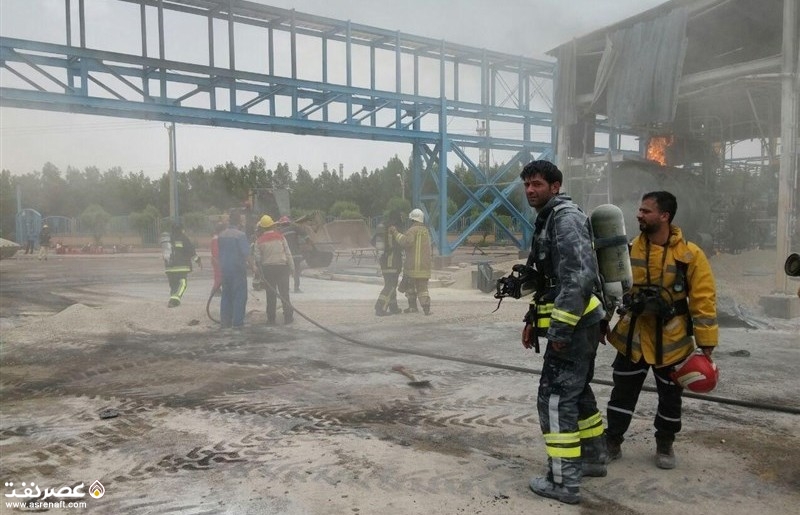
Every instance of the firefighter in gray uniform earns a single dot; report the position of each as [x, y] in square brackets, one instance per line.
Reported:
[566, 311]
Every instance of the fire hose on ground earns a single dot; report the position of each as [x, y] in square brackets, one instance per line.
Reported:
[501, 366]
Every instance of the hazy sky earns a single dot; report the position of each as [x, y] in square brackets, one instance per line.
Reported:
[29, 138]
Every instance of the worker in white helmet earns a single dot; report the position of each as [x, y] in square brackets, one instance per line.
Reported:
[416, 243]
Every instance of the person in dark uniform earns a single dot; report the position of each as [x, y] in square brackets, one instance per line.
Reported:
[179, 264]
[294, 234]
[391, 261]
[44, 242]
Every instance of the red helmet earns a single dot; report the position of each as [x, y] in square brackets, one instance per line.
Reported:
[697, 373]
[284, 220]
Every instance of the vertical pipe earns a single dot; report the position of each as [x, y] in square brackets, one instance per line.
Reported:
[68, 20]
[349, 71]
[325, 73]
[398, 84]
[173, 179]
[231, 58]
[484, 81]
[455, 79]
[82, 38]
[68, 9]
[271, 49]
[162, 69]
[143, 32]
[372, 118]
[789, 136]
[293, 57]
[560, 131]
[416, 74]
[524, 88]
[293, 43]
[82, 23]
[212, 91]
[271, 52]
[444, 246]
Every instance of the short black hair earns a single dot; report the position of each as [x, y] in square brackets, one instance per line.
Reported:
[547, 170]
[666, 202]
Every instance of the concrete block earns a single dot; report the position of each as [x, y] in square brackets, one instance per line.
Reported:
[442, 262]
[780, 306]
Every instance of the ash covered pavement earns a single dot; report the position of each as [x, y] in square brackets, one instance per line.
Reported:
[102, 382]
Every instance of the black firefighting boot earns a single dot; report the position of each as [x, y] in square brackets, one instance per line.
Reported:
[412, 305]
[614, 447]
[568, 489]
[665, 456]
[594, 456]
[546, 488]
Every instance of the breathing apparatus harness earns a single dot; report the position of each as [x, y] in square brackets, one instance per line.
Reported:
[535, 277]
[658, 301]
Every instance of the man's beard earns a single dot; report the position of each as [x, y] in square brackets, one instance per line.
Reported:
[648, 229]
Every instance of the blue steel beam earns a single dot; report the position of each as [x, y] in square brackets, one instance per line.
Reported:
[204, 78]
[75, 78]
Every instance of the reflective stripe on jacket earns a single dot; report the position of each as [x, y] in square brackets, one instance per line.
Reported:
[417, 245]
[392, 258]
[702, 301]
[562, 251]
[273, 249]
[181, 257]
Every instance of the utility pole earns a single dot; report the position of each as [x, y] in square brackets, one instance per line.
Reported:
[173, 174]
[787, 174]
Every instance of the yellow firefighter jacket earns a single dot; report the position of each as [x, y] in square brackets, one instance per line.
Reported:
[416, 243]
[694, 299]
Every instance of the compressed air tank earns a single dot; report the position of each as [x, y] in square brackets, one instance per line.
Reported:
[166, 247]
[611, 246]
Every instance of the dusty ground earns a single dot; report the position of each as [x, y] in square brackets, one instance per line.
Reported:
[294, 420]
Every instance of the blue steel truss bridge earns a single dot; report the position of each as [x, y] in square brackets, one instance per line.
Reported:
[232, 63]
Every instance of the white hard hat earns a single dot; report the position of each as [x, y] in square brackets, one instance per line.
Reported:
[417, 215]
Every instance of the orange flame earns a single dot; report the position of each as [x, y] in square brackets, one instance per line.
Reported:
[657, 149]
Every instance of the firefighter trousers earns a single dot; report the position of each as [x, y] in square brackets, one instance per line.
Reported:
[387, 299]
[628, 380]
[568, 414]
[177, 285]
[417, 289]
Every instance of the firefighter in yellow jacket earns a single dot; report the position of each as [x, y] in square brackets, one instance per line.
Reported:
[671, 305]
[416, 243]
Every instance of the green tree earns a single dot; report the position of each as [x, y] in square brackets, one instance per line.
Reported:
[282, 177]
[144, 222]
[345, 210]
[304, 194]
[196, 222]
[398, 204]
[8, 206]
[95, 219]
[52, 190]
